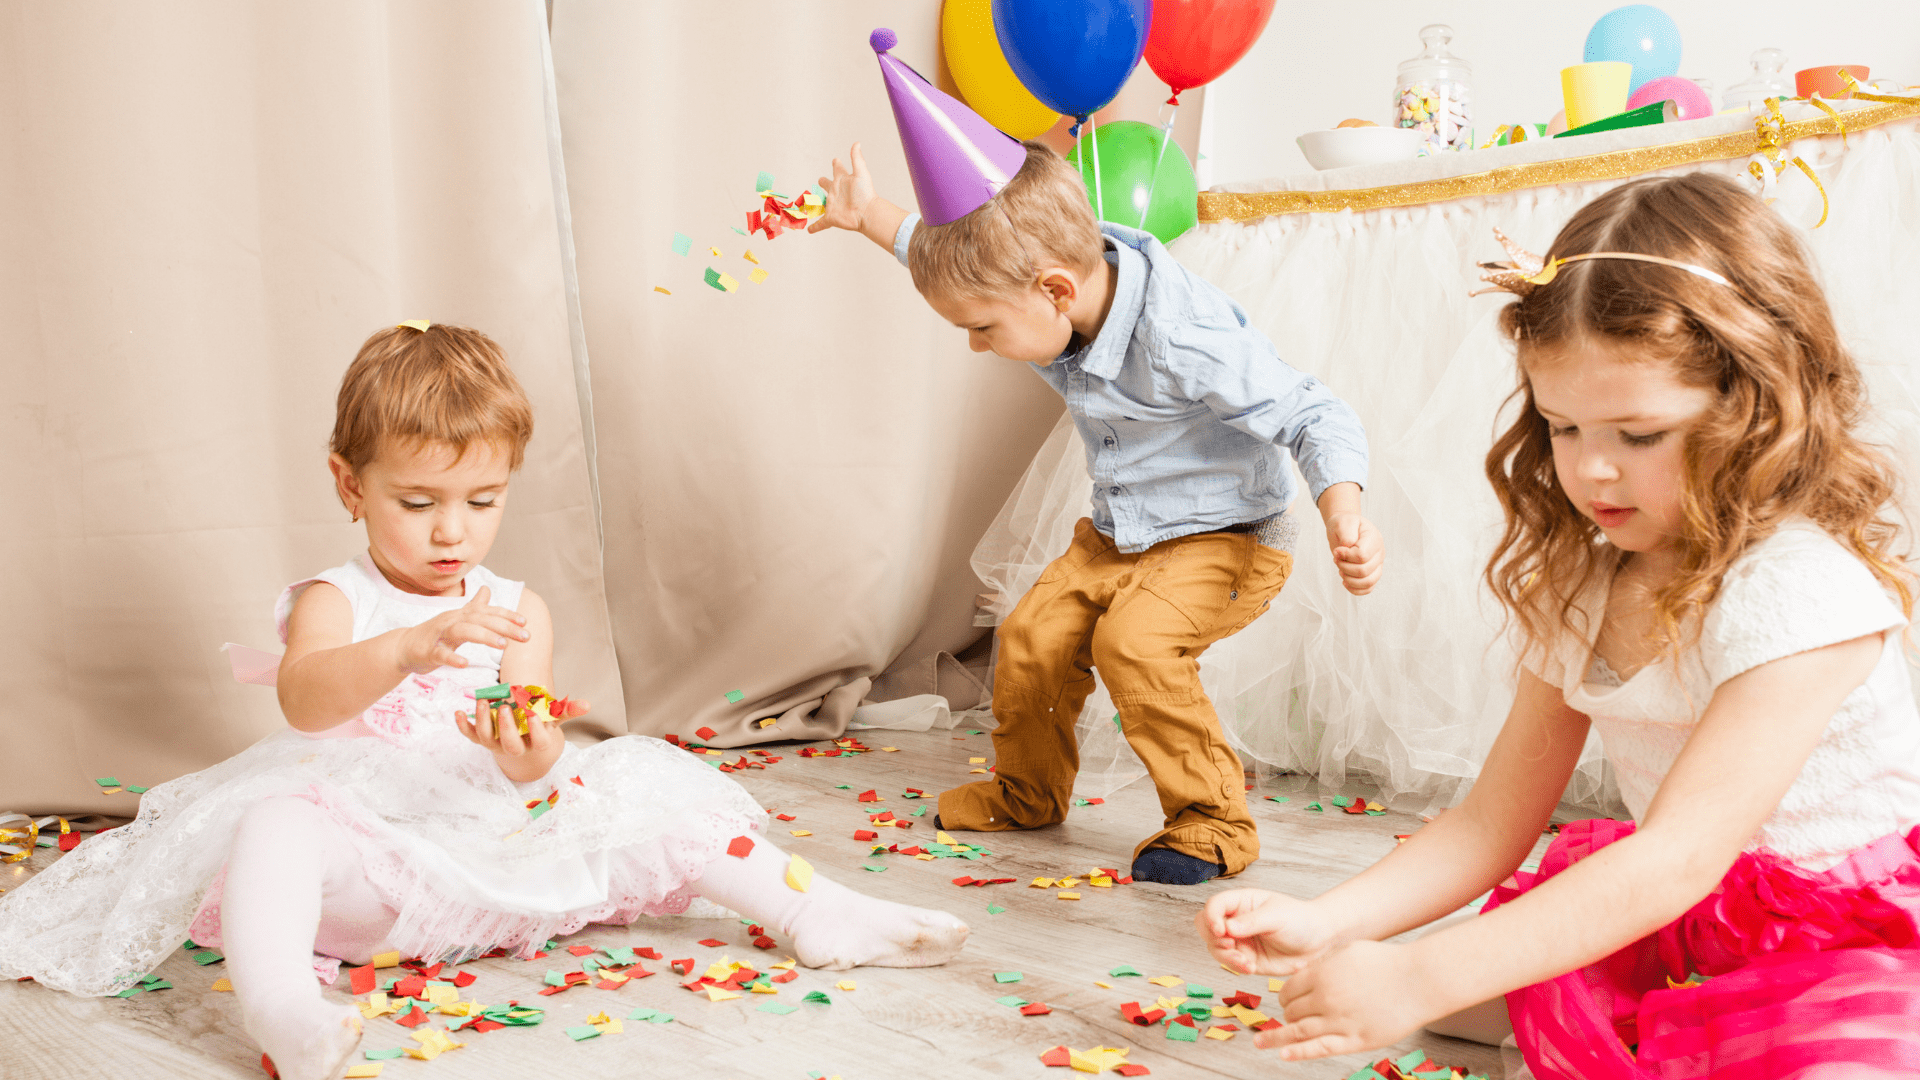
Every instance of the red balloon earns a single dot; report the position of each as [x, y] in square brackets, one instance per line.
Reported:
[1192, 42]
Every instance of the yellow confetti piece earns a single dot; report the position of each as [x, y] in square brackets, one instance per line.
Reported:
[365, 1069]
[598, 1018]
[715, 252]
[923, 857]
[611, 1027]
[386, 960]
[1102, 985]
[442, 995]
[663, 292]
[943, 838]
[762, 988]
[845, 984]
[728, 283]
[461, 1008]
[757, 276]
[377, 1005]
[1166, 980]
[719, 969]
[1249, 1017]
[1067, 883]
[1066, 896]
[1041, 883]
[889, 749]
[769, 721]
[1274, 985]
[420, 325]
[784, 965]
[1169, 1003]
[801, 832]
[1219, 1033]
[1375, 806]
[714, 993]
[976, 770]
[1097, 1060]
[799, 874]
[222, 986]
[749, 257]
[1100, 881]
[976, 761]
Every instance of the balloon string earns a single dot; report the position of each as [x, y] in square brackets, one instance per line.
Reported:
[1099, 200]
[1166, 135]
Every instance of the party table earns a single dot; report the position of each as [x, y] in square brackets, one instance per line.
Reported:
[1361, 276]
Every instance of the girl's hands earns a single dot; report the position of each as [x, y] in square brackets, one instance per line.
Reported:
[433, 643]
[1252, 930]
[492, 727]
[1360, 996]
[847, 193]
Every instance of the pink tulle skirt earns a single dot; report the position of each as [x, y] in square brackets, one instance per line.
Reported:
[1810, 975]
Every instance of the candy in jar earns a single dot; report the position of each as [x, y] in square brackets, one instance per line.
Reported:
[1435, 93]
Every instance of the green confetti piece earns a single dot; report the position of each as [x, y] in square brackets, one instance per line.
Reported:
[136, 789]
[713, 279]
[682, 243]
[622, 956]
[778, 1008]
[1183, 1033]
[583, 1032]
[1011, 1001]
[1083, 802]
[1194, 990]
[1410, 1061]
[158, 984]
[976, 731]
[1122, 971]
[1279, 798]
[994, 909]
[538, 810]
[1316, 807]
[763, 182]
[207, 957]
[588, 964]
[919, 812]
[548, 947]
[1434, 1074]
[843, 787]
[1341, 801]
[874, 869]
[739, 230]
[1364, 1072]
[554, 978]
[1007, 976]
[496, 692]
[129, 991]
[384, 1055]
[1116, 722]
[107, 781]
[815, 997]
[1375, 813]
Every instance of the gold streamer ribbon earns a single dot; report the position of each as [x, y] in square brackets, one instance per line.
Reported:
[20, 834]
[1217, 206]
[1772, 142]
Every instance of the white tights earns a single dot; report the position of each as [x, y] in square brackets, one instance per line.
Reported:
[296, 886]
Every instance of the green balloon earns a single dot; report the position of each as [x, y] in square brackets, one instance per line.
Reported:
[1127, 151]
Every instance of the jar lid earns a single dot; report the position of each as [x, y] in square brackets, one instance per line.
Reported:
[1768, 80]
[1435, 60]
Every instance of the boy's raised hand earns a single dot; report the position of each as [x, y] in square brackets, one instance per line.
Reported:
[1357, 551]
[434, 643]
[848, 192]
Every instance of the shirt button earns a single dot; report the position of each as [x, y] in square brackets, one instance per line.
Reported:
[1113, 491]
[1109, 440]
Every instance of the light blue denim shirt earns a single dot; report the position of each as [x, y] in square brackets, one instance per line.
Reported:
[1183, 407]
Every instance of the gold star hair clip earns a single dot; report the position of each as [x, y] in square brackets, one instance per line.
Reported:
[1528, 271]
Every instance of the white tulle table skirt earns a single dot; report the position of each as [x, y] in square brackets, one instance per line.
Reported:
[1409, 685]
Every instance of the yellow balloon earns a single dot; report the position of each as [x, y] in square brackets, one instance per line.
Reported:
[981, 72]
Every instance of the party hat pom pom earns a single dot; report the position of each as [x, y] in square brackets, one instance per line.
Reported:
[883, 39]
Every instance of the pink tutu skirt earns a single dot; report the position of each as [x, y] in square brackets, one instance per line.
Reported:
[1809, 975]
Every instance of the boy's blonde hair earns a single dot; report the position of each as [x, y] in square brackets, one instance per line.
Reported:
[444, 384]
[1040, 219]
[1781, 438]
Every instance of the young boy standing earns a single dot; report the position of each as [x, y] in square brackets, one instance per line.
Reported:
[1183, 408]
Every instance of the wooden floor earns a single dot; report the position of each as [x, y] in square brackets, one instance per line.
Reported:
[940, 1022]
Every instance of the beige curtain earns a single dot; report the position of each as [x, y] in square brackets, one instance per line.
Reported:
[793, 475]
[206, 207]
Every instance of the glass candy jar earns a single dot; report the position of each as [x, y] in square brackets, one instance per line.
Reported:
[1768, 80]
[1435, 93]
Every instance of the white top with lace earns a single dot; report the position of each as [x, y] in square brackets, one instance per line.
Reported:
[1797, 590]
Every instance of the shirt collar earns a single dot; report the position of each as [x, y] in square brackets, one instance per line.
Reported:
[1107, 353]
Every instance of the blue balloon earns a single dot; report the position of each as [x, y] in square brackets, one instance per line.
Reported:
[1638, 34]
[1073, 56]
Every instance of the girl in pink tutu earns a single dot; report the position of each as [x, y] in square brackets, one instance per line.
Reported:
[393, 816]
[1700, 565]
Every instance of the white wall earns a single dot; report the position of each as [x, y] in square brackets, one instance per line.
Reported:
[1319, 64]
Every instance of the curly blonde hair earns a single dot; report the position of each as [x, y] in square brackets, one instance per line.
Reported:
[444, 384]
[1778, 441]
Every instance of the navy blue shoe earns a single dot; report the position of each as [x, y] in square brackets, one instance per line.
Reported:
[1170, 867]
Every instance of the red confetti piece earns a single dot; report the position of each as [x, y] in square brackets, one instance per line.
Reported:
[683, 967]
[575, 978]
[870, 796]
[706, 733]
[69, 841]
[464, 979]
[963, 880]
[1251, 1001]
[364, 979]
[739, 847]
[267, 1064]
[786, 976]
[549, 991]
[865, 834]
[413, 987]
[1130, 1069]
[1266, 1025]
[1058, 1057]
[579, 950]
[711, 943]
[414, 1018]
[579, 781]
[1034, 1009]
[784, 817]
[607, 984]
[764, 942]
[650, 953]
[1183, 1018]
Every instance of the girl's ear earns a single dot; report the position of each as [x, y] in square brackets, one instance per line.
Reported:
[346, 485]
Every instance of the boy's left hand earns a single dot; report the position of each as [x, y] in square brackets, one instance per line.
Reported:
[1357, 550]
[1361, 996]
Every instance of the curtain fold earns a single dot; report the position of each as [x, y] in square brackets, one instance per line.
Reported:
[794, 474]
[207, 207]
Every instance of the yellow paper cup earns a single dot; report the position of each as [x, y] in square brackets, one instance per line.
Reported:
[1595, 91]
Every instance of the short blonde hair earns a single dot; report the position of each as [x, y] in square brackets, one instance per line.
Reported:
[444, 384]
[1040, 219]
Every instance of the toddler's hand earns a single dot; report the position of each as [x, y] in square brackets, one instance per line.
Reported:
[1357, 551]
[1252, 930]
[433, 643]
[1361, 996]
[492, 726]
[848, 194]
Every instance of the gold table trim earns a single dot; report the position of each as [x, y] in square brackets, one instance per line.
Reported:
[1218, 206]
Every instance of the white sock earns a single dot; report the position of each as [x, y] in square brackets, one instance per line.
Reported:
[831, 926]
[284, 855]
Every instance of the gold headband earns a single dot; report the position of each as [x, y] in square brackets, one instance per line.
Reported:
[1528, 270]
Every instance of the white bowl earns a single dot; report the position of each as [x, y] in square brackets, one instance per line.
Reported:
[1341, 147]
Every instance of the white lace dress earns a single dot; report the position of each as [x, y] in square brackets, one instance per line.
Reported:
[447, 840]
[1797, 590]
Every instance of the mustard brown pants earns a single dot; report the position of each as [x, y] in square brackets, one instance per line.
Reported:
[1142, 621]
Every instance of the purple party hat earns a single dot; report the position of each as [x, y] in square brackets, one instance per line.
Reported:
[957, 160]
